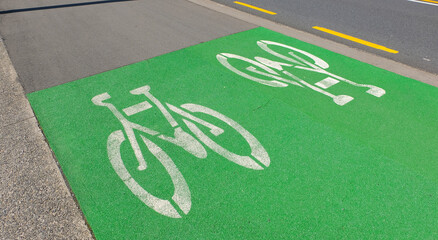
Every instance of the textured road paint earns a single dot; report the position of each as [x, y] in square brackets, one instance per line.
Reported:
[367, 169]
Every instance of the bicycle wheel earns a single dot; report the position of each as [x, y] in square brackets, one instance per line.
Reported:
[255, 71]
[181, 194]
[258, 158]
[296, 56]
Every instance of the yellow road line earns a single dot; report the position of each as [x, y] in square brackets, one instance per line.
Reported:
[254, 7]
[369, 44]
[428, 1]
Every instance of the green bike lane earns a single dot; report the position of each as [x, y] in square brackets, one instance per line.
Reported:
[367, 169]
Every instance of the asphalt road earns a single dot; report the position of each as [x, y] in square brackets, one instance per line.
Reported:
[408, 27]
[52, 42]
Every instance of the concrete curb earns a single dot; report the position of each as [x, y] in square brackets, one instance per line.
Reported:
[369, 58]
[35, 202]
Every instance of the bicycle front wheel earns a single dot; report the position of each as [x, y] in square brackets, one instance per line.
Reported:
[181, 196]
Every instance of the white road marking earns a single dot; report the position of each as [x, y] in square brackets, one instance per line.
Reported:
[137, 108]
[181, 198]
[296, 62]
[257, 150]
[326, 82]
[181, 194]
[223, 59]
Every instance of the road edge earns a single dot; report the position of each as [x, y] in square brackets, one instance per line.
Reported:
[36, 201]
[377, 61]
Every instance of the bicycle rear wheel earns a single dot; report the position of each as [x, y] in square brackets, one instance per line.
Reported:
[254, 70]
[258, 159]
[298, 57]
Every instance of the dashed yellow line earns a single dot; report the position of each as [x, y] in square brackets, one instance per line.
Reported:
[369, 44]
[254, 7]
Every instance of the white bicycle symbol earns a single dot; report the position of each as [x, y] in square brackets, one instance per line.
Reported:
[267, 71]
[181, 198]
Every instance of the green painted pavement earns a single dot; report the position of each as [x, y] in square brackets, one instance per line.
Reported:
[367, 169]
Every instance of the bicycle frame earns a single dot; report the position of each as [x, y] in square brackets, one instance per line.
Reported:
[180, 138]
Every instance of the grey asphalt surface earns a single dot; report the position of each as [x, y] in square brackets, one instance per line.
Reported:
[408, 27]
[51, 42]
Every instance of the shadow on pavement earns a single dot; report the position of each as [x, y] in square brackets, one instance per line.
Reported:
[61, 6]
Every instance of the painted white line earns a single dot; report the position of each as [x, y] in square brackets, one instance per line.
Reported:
[428, 3]
[139, 107]
[326, 82]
